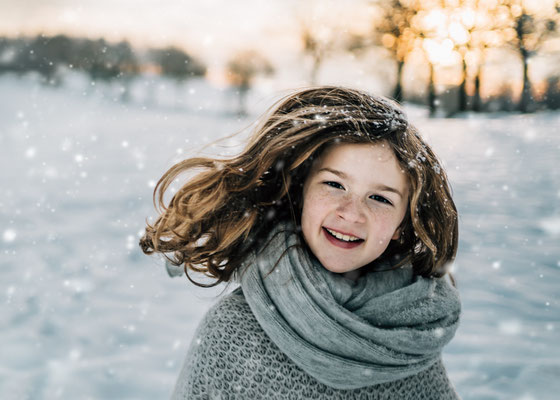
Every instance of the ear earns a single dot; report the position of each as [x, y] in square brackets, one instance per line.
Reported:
[397, 234]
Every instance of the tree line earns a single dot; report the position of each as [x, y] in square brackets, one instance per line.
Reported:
[467, 29]
[51, 56]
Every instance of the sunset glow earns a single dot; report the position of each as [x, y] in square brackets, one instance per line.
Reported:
[214, 30]
[440, 52]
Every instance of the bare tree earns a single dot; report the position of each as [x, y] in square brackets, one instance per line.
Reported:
[242, 69]
[432, 95]
[467, 27]
[399, 29]
[552, 93]
[485, 32]
[473, 26]
[527, 30]
[176, 64]
[396, 33]
[316, 44]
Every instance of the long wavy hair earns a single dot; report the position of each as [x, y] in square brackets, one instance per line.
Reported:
[220, 214]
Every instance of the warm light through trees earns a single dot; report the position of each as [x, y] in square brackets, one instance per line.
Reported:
[394, 31]
[460, 32]
[460, 43]
[528, 26]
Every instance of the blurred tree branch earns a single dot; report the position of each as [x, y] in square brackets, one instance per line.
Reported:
[242, 68]
[526, 29]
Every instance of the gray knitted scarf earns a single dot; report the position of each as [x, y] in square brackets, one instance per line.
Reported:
[347, 334]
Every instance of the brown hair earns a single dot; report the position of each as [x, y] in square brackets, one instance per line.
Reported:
[220, 214]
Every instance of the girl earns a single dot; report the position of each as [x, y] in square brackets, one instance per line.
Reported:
[337, 223]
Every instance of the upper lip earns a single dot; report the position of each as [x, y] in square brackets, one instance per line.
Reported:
[343, 232]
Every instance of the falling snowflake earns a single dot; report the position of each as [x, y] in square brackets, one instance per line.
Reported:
[9, 235]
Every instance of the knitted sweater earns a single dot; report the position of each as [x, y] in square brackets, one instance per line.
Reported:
[231, 357]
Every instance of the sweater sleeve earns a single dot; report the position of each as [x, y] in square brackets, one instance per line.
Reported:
[231, 357]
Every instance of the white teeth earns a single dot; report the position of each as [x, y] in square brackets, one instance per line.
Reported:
[340, 236]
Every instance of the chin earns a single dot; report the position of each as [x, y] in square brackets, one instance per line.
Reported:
[338, 269]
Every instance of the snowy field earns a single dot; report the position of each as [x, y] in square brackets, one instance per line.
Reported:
[85, 315]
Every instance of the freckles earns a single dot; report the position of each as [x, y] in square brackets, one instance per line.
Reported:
[386, 216]
[318, 198]
[318, 205]
[322, 197]
[312, 205]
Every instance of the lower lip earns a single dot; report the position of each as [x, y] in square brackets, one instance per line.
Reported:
[340, 243]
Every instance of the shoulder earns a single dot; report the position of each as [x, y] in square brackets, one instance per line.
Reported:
[432, 383]
[228, 345]
[232, 357]
[228, 320]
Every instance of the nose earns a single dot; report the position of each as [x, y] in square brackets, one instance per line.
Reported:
[351, 209]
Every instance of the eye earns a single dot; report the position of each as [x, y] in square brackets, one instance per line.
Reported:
[333, 184]
[380, 199]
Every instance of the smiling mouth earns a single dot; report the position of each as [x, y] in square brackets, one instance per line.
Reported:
[341, 240]
[340, 236]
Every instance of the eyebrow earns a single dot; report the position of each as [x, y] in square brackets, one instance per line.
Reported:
[383, 188]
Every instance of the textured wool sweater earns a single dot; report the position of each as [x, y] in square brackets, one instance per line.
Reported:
[232, 357]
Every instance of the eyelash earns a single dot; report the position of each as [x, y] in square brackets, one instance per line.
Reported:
[380, 199]
[335, 185]
[375, 197]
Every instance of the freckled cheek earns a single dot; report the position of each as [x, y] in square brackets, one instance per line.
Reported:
[384, 226]
[315, 208]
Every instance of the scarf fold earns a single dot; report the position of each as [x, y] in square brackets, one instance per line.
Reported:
[385, 326]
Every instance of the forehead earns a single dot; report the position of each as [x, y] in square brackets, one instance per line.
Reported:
[360, 153]
[367, 163]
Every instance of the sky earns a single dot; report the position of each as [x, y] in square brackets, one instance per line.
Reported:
[191, 23]
[213, 30]
[210, 28]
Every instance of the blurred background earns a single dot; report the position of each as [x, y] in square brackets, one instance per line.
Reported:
[99, 98]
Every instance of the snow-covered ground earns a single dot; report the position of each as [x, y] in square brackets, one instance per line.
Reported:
[85, 315]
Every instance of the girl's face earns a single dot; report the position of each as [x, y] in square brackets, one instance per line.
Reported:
[354, 200]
